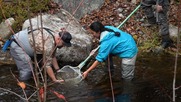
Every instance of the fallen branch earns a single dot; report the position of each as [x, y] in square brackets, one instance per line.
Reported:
[13, 93]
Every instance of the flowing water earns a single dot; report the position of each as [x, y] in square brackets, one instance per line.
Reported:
[152, 83]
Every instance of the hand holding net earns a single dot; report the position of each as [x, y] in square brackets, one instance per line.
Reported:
[73, 75]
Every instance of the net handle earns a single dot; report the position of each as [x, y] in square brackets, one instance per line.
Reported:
[129, 15]
[92, 53]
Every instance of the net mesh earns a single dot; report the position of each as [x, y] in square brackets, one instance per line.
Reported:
[71, 75]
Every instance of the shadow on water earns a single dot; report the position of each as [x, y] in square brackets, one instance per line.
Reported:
[152, 83]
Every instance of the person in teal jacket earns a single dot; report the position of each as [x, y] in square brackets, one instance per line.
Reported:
[113, 41]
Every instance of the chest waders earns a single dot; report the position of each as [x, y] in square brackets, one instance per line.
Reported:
[25, 41]
[21, 51]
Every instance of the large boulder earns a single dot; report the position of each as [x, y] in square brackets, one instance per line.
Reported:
[78, 8]
[81, 41]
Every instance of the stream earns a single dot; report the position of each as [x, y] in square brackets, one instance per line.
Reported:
[153, 82]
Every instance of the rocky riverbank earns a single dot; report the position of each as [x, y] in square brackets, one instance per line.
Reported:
[115, 12]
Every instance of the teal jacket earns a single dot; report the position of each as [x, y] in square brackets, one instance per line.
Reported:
[123, 46]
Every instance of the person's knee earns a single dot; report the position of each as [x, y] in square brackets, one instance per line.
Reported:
[128, 77]
[128, 71]
[25, 75]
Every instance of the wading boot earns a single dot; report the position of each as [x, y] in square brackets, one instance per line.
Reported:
[167, 42]
[151, 22]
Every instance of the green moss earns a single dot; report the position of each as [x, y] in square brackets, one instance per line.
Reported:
[21, 10]
[150, 40]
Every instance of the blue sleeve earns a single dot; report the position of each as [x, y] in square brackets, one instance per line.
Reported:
[103, 52]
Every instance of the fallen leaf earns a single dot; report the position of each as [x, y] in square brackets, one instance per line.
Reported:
[41, 93]
[59, 95]
[22, 85]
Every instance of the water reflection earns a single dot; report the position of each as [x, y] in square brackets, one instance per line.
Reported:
[152, 83]
[118, 98]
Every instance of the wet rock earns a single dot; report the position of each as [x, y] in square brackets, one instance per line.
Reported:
[173, 30]
[3, 93]
[5, 29]
[5, 58]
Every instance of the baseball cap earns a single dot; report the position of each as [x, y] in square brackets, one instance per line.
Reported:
[66, 37]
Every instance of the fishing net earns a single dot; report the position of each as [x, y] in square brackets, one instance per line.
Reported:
[73, 75]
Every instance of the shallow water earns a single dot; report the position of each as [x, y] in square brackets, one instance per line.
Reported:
[152, 83]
